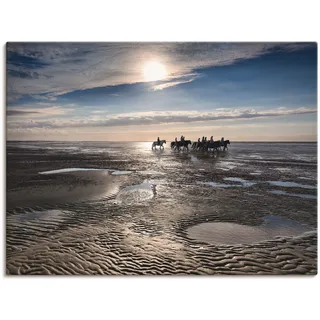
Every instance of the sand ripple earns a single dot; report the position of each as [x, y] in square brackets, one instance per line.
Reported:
[96, 222]
[89, 239]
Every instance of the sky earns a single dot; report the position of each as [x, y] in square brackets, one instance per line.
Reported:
[141, 91]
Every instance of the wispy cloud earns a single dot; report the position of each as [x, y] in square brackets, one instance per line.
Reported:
[156, 117]
[38, 112]
[99, 111]
[52, 69]
[20, 112]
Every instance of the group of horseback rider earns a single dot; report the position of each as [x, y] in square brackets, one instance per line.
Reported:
[205, 144]
[201, 144]
[204, 140]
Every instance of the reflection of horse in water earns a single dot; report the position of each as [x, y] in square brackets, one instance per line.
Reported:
[156, 143]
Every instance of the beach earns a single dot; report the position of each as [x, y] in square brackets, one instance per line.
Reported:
[115, 208]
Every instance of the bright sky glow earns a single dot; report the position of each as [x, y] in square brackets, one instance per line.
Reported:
[154, 71]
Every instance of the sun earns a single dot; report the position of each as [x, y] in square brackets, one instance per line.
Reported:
[154, 70]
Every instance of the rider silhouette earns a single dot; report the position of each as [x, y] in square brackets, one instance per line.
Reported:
[182, 138]
[211, 139]
[158, 140]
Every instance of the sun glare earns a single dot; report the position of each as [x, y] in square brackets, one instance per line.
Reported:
[154, 71]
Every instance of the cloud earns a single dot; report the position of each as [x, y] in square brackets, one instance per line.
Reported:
[99, 111]
[20, 112]
[170, 84]
[156, 117]
[55, 68]
[37, 112]
[183, 79]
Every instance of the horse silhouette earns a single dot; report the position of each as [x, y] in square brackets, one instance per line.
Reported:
[182, 144]
[156, 143]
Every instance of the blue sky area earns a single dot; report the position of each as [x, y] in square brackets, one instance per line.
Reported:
[138, 91]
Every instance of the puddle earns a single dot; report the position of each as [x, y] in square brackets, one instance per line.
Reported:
[255, 156]
[220, 185]
[290, 184]
[282, 169]
[255, 173]
[113, 172]
[228, 165]
[117, 173]
[154, 181]
[244, 183]
[299, 195]
[305, 178]
[151, 172]
[233, 233]
[40, 215]
[136, 194]
[68, 170]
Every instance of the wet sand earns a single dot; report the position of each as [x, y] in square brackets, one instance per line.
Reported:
[138, 221]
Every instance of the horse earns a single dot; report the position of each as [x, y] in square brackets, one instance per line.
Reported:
[184, 144]
[214, 145]
[155, 144]
[198, 145]
[225, 144]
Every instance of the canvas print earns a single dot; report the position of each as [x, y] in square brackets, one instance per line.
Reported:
[178, 158]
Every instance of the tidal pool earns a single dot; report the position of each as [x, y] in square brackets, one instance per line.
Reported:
[229, 233]
[113, 172]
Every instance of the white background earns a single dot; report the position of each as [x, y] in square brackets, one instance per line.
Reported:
[228, 297]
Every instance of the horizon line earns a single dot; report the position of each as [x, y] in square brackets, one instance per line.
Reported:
[247, 141]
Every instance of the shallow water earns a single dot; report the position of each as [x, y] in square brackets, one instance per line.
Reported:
[113, 172]
[299, 195]
[219, 185]
[245, 183]
[290, 184]
[130, 215]
[232, 233]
